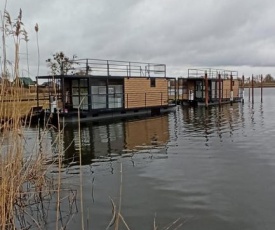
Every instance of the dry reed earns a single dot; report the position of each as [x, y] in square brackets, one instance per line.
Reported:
[26, 187]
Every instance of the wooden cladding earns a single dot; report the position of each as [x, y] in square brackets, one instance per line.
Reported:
[226, 88]
[140, 93]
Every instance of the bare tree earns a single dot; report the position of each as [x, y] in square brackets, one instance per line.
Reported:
[268, 78]
[59, 62]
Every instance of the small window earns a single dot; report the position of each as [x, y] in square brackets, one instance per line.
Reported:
[153, 82]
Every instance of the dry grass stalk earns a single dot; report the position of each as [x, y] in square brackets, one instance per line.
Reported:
[26, 189]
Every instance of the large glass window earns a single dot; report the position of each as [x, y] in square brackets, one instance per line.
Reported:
[107, 94]
[115, 96]
[80, 93]
[99, 100]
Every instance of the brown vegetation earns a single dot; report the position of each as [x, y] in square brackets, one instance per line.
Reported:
[27, 191]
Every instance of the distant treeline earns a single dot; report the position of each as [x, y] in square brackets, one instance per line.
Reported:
[258, 84]
[265, 81]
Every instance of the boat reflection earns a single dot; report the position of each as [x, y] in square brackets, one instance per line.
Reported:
[109, 141]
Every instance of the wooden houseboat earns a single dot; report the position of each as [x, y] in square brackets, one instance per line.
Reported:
[209, 87]
[102, 89]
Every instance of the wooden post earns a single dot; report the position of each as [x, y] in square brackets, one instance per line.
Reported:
[252, 92]
[231, 89]
[177, 87]
[182, 86]
[261, 88]
[220, 89]
[249, 89]
[206, 89]
[243, 89]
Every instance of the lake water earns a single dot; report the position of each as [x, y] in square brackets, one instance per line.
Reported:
[200, 168]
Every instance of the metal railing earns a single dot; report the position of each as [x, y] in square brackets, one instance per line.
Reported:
[212, 73]
[213, 95]
[100, 67]
[94, 102]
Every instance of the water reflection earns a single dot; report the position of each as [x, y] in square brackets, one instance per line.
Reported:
[211, 122]
[107, 142]
[219, 162]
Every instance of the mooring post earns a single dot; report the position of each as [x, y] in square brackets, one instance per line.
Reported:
[252, 89]
[231, 88]
[249, 89]
[177, 93]
[206, 89]
[243, 89]
[261, 88]
[220, 89]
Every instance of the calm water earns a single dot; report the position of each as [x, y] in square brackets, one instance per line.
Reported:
[211, 168]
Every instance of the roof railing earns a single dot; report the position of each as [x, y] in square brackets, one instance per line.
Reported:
[100, 67]
[212, 73]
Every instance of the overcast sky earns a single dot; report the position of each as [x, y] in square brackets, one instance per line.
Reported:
[231, 34]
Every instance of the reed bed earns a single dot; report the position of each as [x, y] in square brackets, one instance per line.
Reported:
[28, 191]
[30, 196]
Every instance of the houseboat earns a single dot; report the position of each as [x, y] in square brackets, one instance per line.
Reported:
[99, 89]
[209, 87]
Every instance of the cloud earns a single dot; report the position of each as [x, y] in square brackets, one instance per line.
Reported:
[181, 34]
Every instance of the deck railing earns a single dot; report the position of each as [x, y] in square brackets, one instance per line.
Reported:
[212, 73]
[94, 102]
[100, 67]
[213, 95]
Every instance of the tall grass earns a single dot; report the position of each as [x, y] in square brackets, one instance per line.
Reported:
[27, 191]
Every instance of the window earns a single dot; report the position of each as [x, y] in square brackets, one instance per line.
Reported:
[153, 82]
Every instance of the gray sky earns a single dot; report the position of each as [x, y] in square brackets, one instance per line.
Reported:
[231, 34]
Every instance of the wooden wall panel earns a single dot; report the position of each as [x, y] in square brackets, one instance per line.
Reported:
[226, 88]
[139, 93]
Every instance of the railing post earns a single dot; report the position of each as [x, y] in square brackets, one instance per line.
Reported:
[108, 68]
[87, 67]
[145, 99]
[129, 69]
[161, 98]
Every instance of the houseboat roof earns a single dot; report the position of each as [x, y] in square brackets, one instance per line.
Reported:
[211, 73]
[109, 68]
